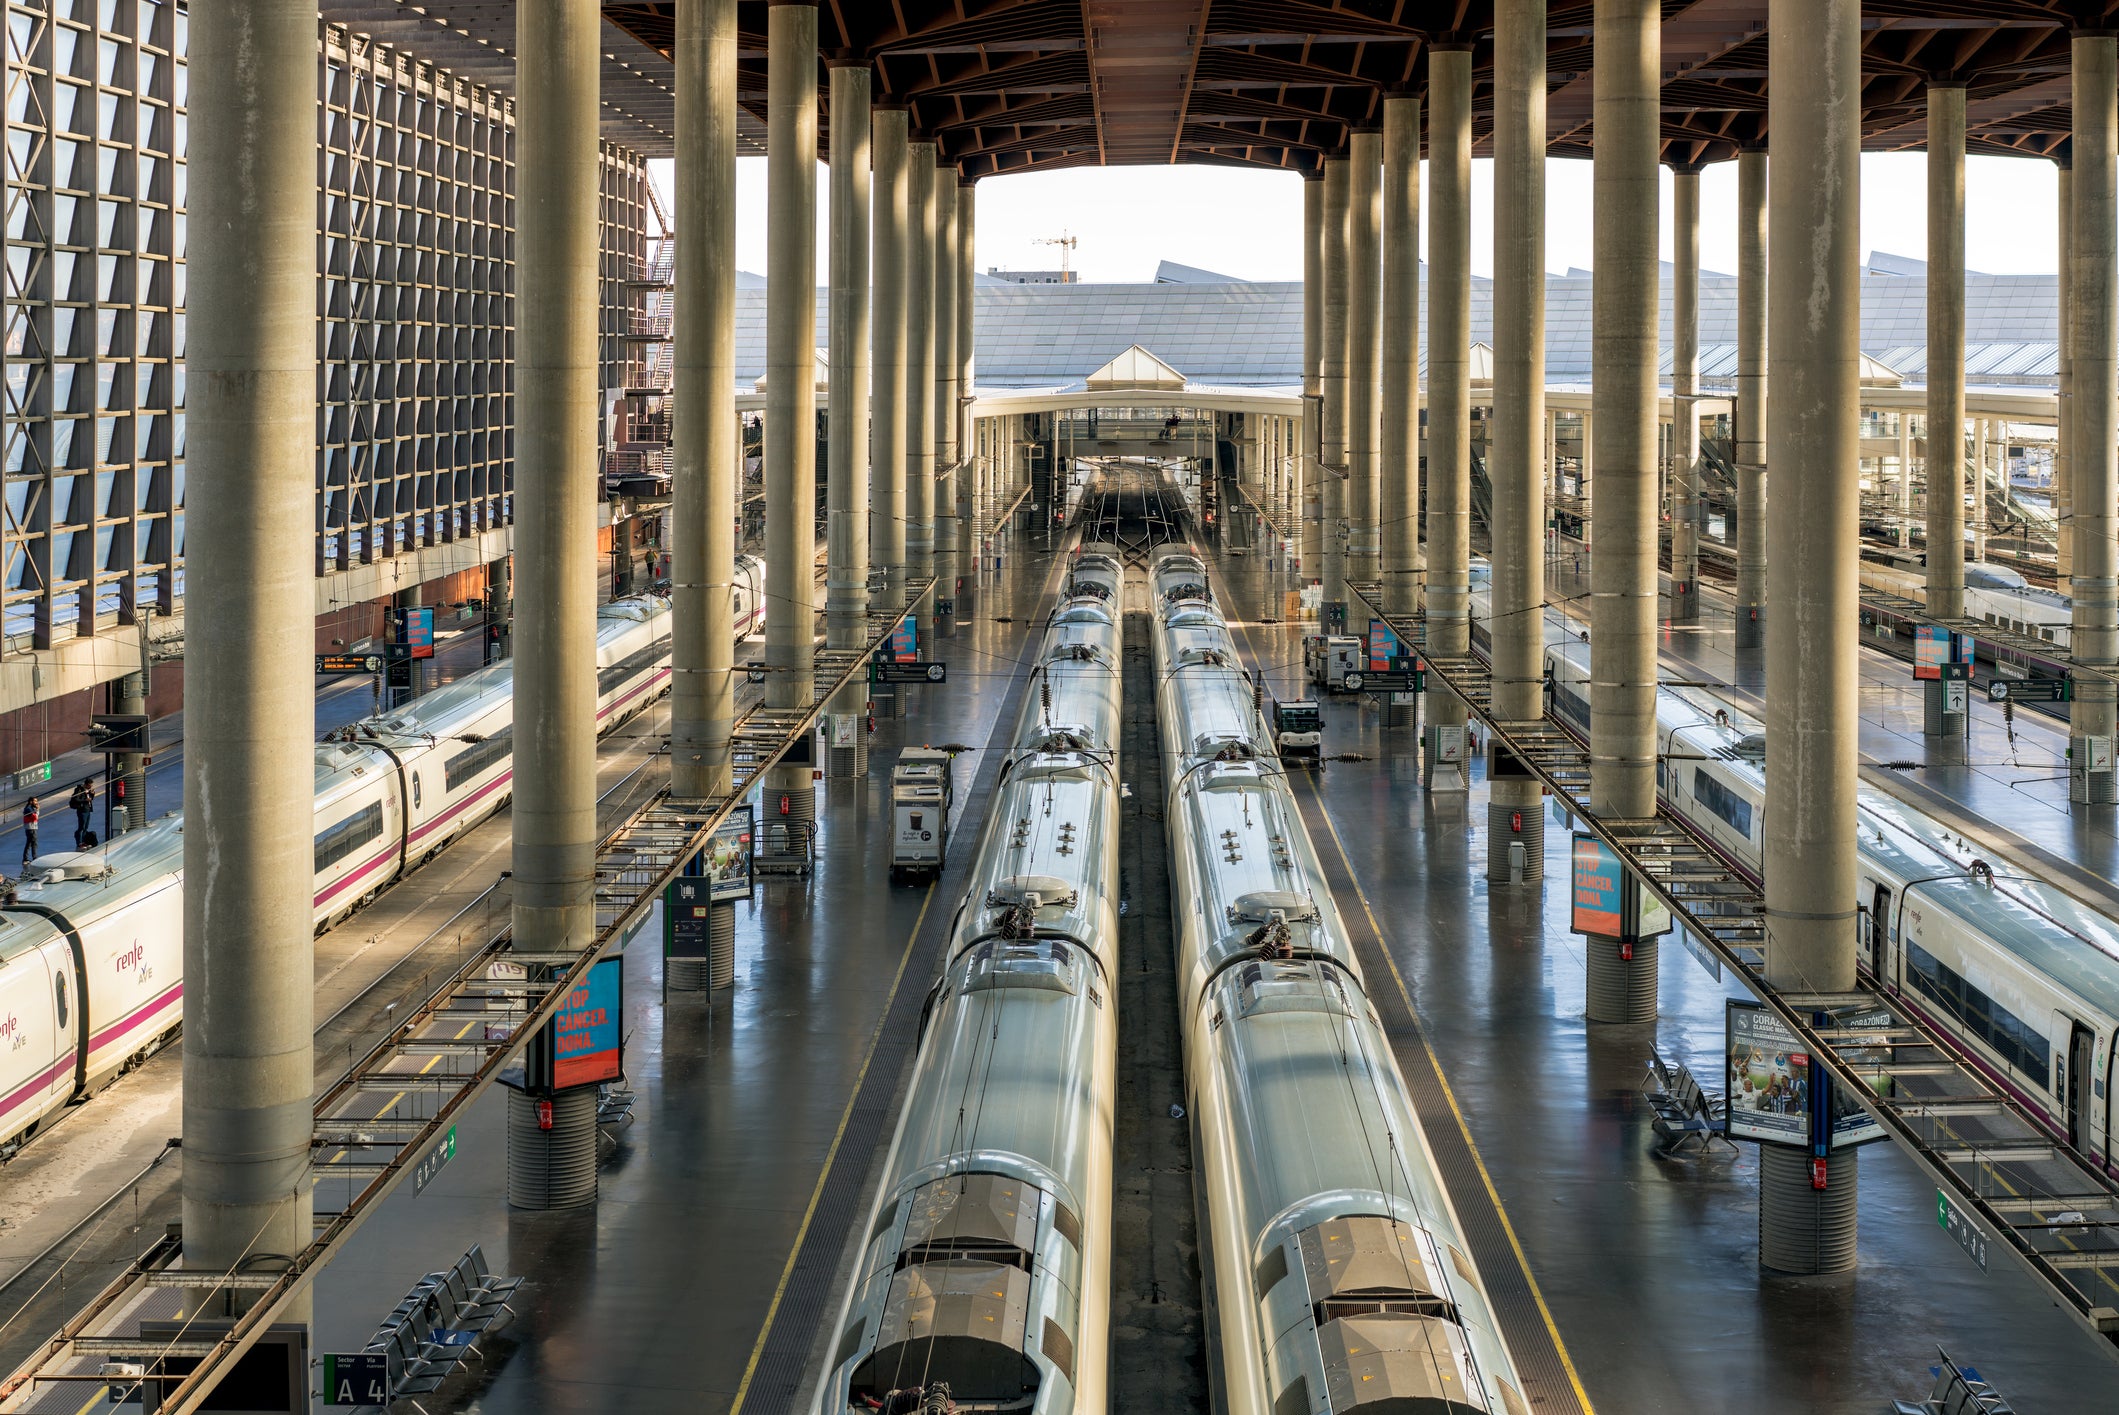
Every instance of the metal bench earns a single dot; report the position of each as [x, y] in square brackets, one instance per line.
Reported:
[437, 1326]
[1684, 1111]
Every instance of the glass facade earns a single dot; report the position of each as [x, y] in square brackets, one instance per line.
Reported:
[415, 171]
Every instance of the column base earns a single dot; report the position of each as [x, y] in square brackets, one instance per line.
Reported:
[1685, 601]
[717, 971]
[849, 763]
[1936, 719]
[2086, 787]
[1803, 1230]
[1750, 627]
[555, 1168]
[1515, 835]
[1622, 991]
[786, 838]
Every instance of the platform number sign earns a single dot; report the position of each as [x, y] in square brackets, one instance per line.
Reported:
[357, 1378]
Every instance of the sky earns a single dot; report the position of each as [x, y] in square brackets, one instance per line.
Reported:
[1249, 224]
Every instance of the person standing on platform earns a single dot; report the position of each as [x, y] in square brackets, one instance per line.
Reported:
[84, 803]
[29, 831]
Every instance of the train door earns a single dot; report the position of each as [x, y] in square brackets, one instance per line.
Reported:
[2081, 1045]
[1883, 937]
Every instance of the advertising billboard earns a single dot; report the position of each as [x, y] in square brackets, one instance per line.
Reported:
[1383, 646]
[905, 641]
[1769, 1080]
[414, 628]
[1933, 646]
[587, 1044]
[1599, 898]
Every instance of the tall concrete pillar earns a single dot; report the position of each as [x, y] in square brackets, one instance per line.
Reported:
[1332, 383]
[945, 386]
[846, 488]
[557, 247]
[1398, 497]
[888, 453]
[968, 476]
[1751, 399]
[2064, 431]
[247, 764]
[1364, 335]
[2093, 290]
[704, 433]
[919, 362]
[1308, 529]
[1516, 824]
[1813, 438]
[791, 354]
[1684, 387]
[1946, 478]
[1449, 391]
[1622, 570]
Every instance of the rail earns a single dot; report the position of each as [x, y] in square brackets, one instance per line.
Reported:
[2053, 1208]
[432, 1066]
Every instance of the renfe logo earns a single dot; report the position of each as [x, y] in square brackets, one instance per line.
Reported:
[131, 957]
[11, 1032]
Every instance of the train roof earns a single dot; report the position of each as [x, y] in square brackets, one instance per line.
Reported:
[340, 765]
[620, 614]
[447, 708]
[76, 882]
[21, 932]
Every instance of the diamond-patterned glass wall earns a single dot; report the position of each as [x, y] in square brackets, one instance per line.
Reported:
[414, 314]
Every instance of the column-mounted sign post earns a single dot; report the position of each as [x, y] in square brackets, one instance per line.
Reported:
[1942, 662]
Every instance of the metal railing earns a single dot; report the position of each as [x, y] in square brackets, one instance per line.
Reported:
[431, 1066]
[2051, 1207]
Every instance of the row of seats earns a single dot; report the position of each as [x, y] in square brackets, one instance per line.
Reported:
[437, 1327]
[1684, 1111]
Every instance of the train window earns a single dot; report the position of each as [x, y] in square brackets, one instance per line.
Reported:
[60, 981]
[2018, 1043]
[1725, 803]
[335, 843]
[631, 666]
[477, 759]
[415, 790]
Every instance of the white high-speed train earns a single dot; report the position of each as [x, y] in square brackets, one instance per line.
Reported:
[1337, 1273]
[1994, 593]
[2022, 976]
[92, 946]
[985, 1280]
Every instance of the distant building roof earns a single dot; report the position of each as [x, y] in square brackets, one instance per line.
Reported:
[1171, 272]
[1134, 369]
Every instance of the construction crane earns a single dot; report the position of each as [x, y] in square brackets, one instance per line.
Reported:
[1065, 243]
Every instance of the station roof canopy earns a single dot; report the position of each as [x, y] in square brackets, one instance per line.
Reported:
[1023, 85]
[1020, 85]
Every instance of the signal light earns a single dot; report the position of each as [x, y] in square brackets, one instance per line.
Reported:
[544, 1115]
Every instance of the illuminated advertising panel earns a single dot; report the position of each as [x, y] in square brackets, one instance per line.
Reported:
[1933, 647]
[1770, 1077]
[1599, 889]
[905, 641]
[1383, 646]
[728, 857]
[587, 1045]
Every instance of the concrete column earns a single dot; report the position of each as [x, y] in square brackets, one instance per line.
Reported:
[251, 692]
[1309, 547]
[968, 475]
[791, 355]
[704, 432]
[129, 695]
[1449, 389]
[945, 386]
[1684, 387]
[2064, 431]
[846, 487]
[1398, 498]
[919, 362]
[1946, 479]
[1332, 378]
[1364, 334]
[2095, 223]
[1811, 532]
[887, 333]
[846, 601]
[557, 255]
[1751, 399]
[1622, 571]
[1519, 410]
